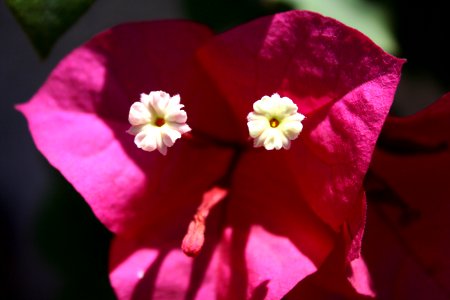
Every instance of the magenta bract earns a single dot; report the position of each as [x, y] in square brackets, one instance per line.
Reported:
[285, 209]
[406, 246]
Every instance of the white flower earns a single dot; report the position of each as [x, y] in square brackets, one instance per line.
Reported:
[157, 121]
[274, 122]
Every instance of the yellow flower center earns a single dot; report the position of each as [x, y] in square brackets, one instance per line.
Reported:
[274, 123]
[160, 122]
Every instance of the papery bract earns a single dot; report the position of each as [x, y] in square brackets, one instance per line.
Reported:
[284, 211]
[408, 229]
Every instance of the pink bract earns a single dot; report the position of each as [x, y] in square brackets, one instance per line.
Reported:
[285, 210]
[407, 242]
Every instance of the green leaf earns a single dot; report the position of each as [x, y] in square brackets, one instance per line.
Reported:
[369, 17]
[221, 15]
[44, 21]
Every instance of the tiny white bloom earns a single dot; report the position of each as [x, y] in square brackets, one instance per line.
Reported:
[274, 122]
[157, 121]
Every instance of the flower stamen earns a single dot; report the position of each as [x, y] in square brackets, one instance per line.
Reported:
[274, 123]
[195, 237]
[160, 122]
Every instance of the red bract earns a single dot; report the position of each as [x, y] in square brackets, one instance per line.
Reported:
[407, 244]
[284, 209]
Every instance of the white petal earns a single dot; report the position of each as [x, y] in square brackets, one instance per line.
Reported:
[178, 116]
[259, 140]
[139, 114]
[291, 129]
[159, 142]
[265, 106]
[275, 140]
[297, 117]
[145, 99]
[146, 140]
[275, 96]
[254, 116]
[181, 128]
[175, 101]
[287, 107]
[256, 127]
[163, 149]
[133, 130]
[272, 142]
[160, 101]
[169, 135]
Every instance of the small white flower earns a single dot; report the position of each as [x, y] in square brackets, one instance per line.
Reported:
[274, 122]
[157, 121]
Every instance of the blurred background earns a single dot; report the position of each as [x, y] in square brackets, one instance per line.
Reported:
[52, 247]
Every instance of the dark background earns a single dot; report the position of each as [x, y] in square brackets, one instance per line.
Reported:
[51, 245]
